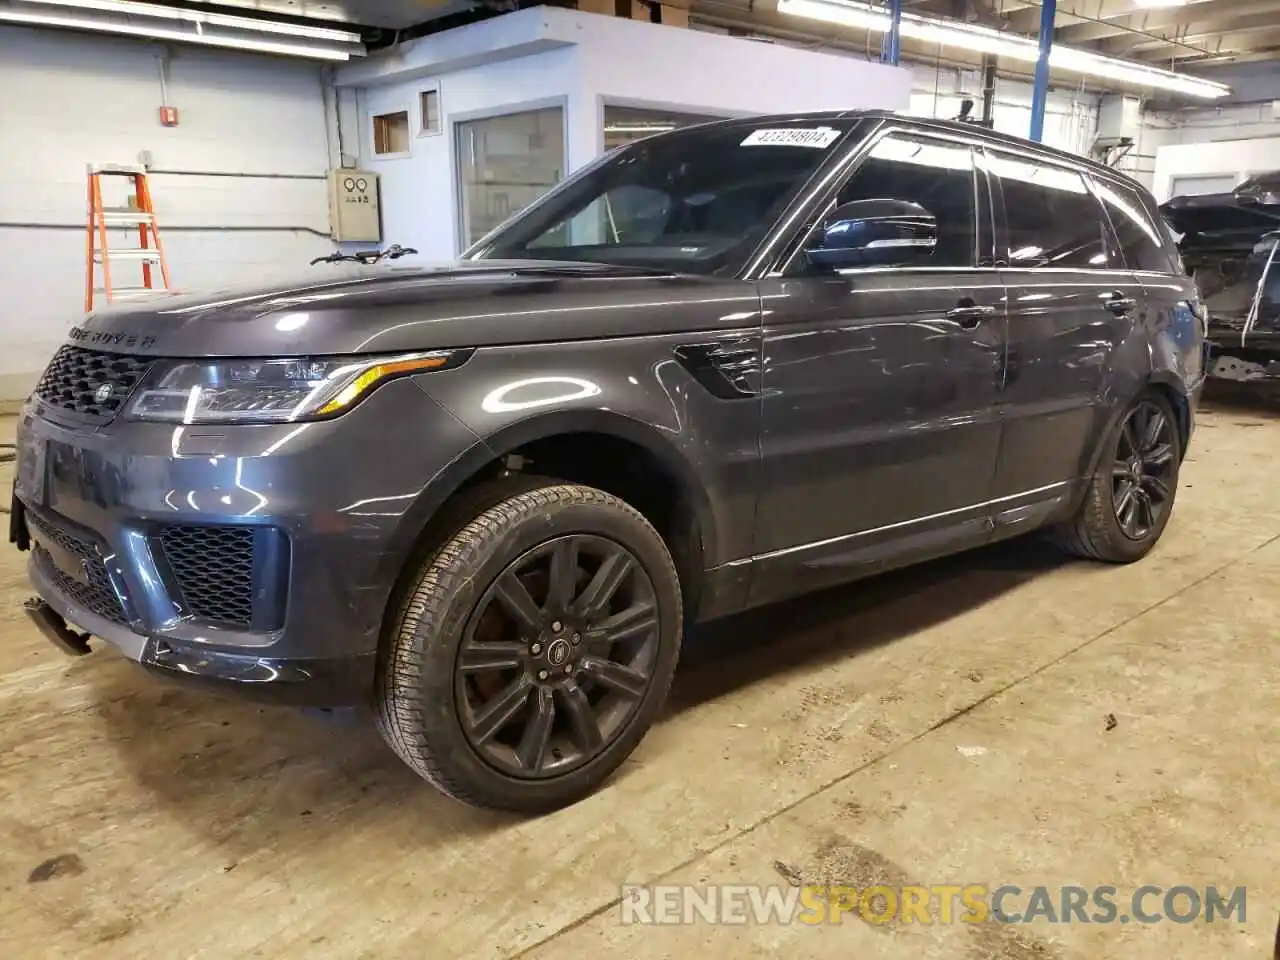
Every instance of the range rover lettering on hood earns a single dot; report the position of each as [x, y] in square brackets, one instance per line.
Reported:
[103, 338]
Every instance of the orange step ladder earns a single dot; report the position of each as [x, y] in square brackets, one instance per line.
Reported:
[137, 212]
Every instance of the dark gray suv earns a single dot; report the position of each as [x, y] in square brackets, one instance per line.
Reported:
[716, 368]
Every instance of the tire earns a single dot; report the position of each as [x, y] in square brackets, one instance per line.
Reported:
[1097, 531]
[464, 647]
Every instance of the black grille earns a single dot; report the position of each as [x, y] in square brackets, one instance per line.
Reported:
[214, 570]
[95, 595]
[74, 378]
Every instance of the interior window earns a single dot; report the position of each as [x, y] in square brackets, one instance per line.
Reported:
[1141, 242]
[627, 215]
[1053, 219]
[931, 182]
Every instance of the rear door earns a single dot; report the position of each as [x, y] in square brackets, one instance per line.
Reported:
[1173, 303]
[1072, 302]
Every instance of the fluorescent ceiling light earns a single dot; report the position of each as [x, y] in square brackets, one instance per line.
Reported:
[965, 36]
[639, 127]
[1159, 3]
[161, 33]
[249, 24]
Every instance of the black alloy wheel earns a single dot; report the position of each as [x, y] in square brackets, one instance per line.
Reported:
[1129, 497]
[533, 646]
[1144, 471]
[557, 656]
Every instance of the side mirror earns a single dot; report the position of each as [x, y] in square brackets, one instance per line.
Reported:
[869, 233]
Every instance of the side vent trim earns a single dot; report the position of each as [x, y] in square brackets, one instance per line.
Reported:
[728, 369]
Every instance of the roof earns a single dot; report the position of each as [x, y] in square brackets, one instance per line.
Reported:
[958, 127]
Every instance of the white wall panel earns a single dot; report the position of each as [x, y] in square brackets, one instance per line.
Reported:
[544, 56]
[74, 99]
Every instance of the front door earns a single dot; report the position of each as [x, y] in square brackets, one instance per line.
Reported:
[879, 429]
[1072, 304]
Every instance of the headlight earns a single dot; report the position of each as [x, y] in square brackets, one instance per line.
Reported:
[271, 390]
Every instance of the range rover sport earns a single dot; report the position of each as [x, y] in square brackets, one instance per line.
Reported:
[716, 368]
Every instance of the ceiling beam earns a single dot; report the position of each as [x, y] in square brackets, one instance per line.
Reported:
[974, 11]
[1158, 20]
[1198, 33]
[1241, 41]
[1253, 56]
[1027, 20]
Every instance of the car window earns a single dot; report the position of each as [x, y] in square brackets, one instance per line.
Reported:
[696, 200]
[935, 175]
[629, 214]
[1142, 243]
[1053, 219]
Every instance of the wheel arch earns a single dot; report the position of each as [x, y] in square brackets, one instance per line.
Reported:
[488, 460]
[1174, 391]
[1167, 386]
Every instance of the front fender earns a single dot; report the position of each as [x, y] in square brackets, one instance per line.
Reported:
[632, 389]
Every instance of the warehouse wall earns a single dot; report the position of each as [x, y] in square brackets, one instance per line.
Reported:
[418, 191]
[580, 61]
[97, 99]
[1234, 159]
[698, 65]
[1234, 138]
[1070, 120]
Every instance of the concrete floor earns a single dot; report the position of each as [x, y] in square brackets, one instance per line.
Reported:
[143, 820]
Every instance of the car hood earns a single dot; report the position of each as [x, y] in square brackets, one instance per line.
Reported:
[358, 308]
[1226, 221]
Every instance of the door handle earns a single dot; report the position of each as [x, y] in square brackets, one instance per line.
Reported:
[969, 314]
[1119, 304]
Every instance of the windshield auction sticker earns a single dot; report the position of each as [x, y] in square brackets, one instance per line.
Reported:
[819, 137]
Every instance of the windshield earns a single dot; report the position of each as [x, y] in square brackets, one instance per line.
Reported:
[697, 200]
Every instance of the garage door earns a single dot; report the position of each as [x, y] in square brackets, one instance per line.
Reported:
[1198, 186]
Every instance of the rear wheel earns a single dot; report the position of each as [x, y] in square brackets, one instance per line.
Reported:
[533, 651]
[1131, 494]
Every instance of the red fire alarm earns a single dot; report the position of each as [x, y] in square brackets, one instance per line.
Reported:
[168, 116]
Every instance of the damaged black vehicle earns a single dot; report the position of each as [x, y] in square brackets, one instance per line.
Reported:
[1228, 244]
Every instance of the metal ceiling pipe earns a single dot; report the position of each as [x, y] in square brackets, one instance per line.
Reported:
[989, 91]
[1040, 94]
[893, 39]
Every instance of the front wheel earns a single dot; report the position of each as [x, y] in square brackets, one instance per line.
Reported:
[533, 650]
[1130, 496]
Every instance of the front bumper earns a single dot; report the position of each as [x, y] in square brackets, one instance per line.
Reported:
[254, 559]
[332, 682]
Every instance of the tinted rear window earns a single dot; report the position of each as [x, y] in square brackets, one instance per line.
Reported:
[1142, 241]
[1053, 219]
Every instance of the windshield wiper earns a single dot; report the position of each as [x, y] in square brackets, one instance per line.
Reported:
[393, 252]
